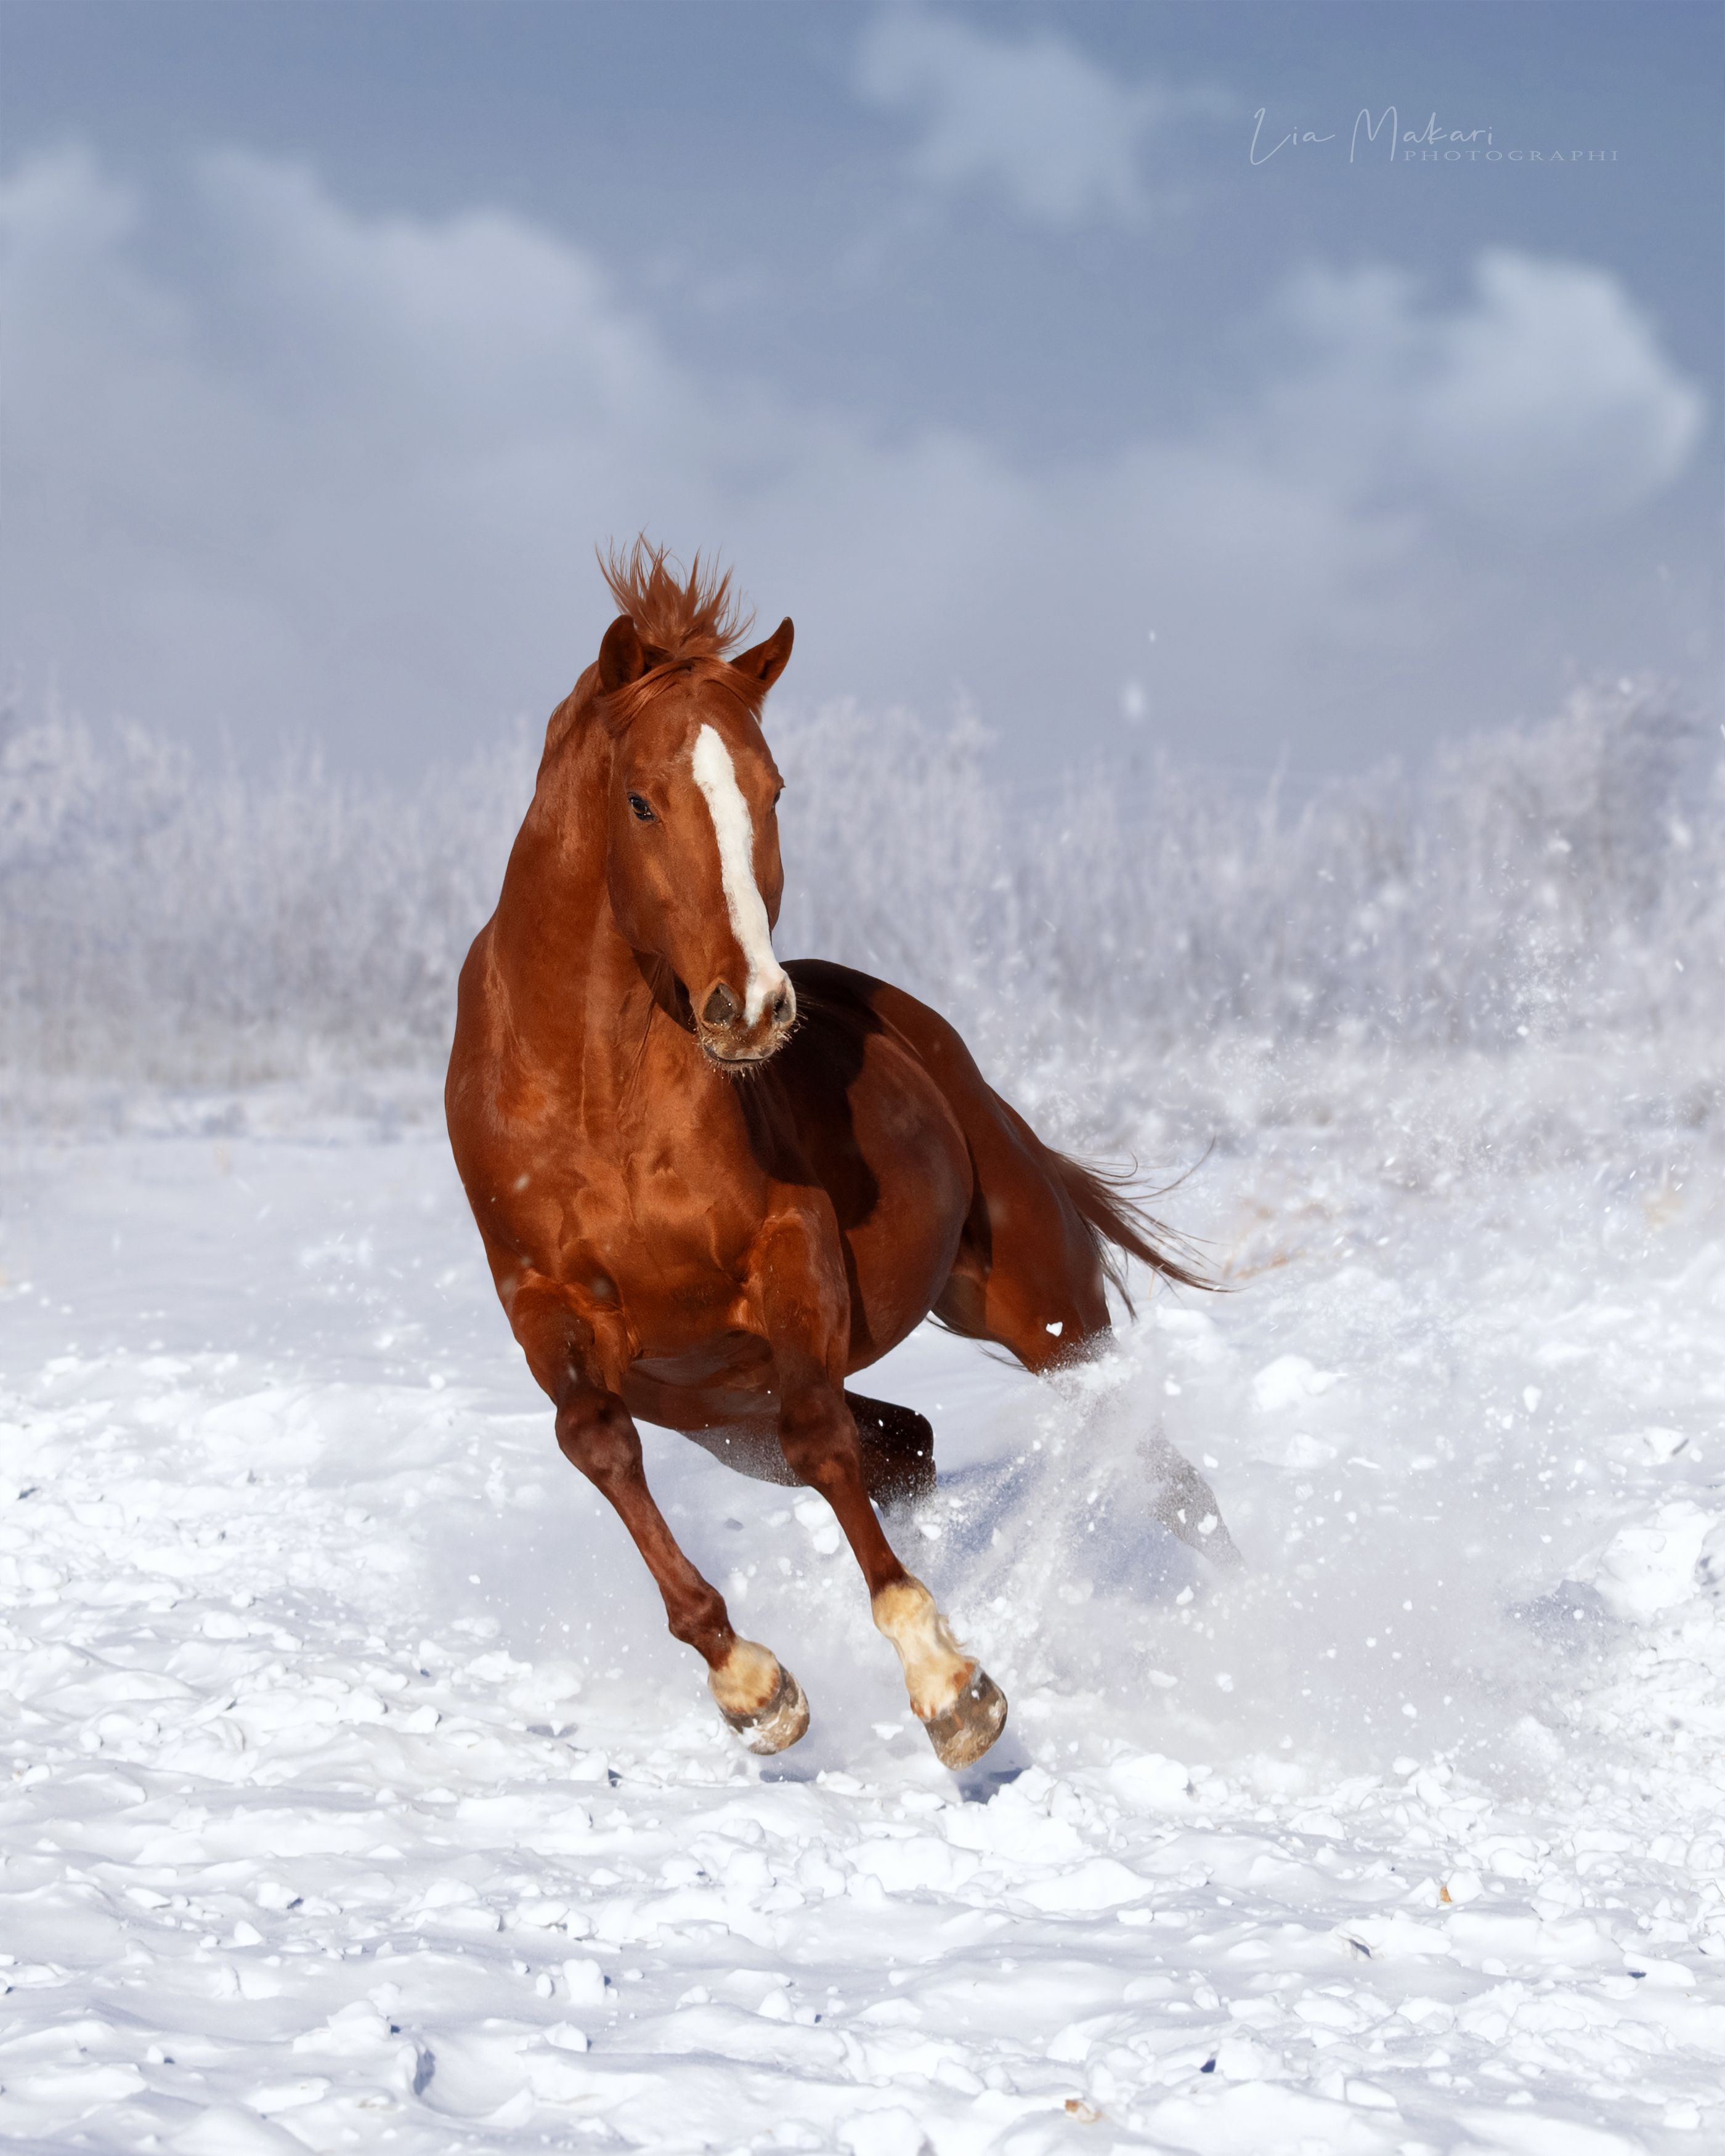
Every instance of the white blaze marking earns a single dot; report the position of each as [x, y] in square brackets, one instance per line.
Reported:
[715, 775]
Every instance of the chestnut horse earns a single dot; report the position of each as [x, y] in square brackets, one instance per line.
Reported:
[711, 1186]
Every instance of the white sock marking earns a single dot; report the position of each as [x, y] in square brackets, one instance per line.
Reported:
[936, 1668]
[715, 775]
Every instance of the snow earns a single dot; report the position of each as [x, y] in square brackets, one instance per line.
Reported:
[359, 1799]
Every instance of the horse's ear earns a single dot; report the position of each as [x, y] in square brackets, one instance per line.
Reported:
[765, 662]
[621, 657]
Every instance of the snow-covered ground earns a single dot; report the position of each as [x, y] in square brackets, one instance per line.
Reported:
[359, 1799]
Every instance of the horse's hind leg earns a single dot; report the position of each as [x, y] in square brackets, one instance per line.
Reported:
[1186, 1505]
[896, 1446]
[1028, 1277]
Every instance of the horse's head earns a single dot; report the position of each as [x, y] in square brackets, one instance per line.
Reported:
[692, 832]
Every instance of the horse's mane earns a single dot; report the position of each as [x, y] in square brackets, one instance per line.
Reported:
[694, 616]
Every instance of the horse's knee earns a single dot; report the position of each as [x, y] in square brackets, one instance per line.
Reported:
[596, 1434]
[819, 1439]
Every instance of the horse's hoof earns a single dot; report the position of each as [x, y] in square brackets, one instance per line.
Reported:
[970, 1725]
[776, 1726]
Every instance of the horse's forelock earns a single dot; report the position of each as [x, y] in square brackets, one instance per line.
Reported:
[696, 616]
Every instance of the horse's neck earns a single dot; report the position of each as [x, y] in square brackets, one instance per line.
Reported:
[571, 981]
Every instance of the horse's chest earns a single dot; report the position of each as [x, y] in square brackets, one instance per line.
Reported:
[664, 1262]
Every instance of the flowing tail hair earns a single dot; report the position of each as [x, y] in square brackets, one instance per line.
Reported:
[1119, 1224]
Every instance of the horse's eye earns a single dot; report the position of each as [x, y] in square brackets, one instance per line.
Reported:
[641, 808]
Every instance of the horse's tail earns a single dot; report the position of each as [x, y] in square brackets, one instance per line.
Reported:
[1120, 1226]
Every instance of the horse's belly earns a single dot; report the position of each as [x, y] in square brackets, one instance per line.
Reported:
[727, 1381]
[730, 1362]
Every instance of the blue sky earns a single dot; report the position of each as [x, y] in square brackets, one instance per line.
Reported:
[980, 340]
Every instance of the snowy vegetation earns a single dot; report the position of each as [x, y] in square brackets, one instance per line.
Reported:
[179, 921]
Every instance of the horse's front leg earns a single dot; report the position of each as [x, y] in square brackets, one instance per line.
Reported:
[799, 1283]
[757, 1695]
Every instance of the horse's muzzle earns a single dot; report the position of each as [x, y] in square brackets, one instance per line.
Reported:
[730, 1038]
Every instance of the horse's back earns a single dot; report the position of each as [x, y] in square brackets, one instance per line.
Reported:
[987, 1122]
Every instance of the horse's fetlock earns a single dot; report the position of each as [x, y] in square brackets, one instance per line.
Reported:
[704, 1623]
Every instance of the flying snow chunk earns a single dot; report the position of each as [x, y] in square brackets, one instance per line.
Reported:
[1289, 1382]
[1643, 1570]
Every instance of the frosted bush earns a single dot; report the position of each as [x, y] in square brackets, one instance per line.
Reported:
[1551, 882]
[165, 921]
[170, 920]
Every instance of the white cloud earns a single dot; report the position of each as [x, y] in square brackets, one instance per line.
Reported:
[1551, 390]
[346, 477]
[1544, 397]
[1032, 116]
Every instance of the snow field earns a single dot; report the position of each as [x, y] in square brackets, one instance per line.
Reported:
[358, 1798]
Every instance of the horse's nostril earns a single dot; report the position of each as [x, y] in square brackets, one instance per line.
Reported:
[782, 1007]
[722, 1007]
